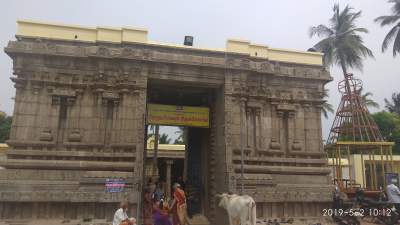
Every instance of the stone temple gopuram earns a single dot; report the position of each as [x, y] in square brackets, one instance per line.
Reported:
[80, 117]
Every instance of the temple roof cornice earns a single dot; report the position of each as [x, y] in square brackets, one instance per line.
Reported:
[129, 35]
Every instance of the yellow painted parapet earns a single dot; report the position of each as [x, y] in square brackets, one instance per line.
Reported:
[119, 35]
[78, 33]
[274, 54]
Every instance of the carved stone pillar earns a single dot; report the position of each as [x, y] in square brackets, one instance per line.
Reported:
[291, 137]
[319, 125]
[169, 163]
[275, 118]
[243, 122]
[281, 130]
[299, 129]
[248, 127]
[242, 139]
[99, 115]
[307, 127]
[258, 128]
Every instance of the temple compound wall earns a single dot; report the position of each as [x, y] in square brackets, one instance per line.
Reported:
[79, 118]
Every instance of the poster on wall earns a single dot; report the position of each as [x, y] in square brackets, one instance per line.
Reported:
[172, 115]
[113, 185]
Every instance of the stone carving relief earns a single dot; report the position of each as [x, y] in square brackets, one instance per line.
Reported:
[301, 95]
[275, 145]
[46, 135]
[145, 54]
[129, 52]
[75, 136]
[277, 67]
[103, 52]
[266, 67]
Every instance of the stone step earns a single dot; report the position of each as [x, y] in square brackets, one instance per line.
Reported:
[54, 222]
[198, 220]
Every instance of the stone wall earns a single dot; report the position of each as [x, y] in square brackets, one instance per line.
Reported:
[76, 122]
[79, 119]
[285, 166]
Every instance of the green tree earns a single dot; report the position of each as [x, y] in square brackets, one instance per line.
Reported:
[164, 139]
[5, 126]
[389, 125]
[326, 106]
[181, 136]
[393, 105]
[341, 43]
[394, 33]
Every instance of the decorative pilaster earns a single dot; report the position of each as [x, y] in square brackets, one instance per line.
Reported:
[248, 127]
[243, 123]
[258, 129]
[276, 117]
[290, 130]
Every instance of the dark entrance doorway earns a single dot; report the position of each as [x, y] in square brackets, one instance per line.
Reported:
[194, 168]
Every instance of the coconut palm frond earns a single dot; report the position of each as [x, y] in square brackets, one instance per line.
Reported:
[393, 36]
[342, 43]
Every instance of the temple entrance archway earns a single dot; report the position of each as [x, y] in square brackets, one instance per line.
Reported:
[80, 110]
[190, 107]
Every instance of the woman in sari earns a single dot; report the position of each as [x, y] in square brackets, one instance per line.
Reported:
[147, 207]
[179, 206]
[159, 216]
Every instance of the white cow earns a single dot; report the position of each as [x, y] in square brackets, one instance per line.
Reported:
[241, 208]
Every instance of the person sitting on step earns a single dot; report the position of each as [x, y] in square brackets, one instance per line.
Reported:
[121, 217]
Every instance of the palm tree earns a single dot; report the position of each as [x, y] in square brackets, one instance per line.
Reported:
[367, 100]
[181, 132]
[326, 107]
[164, 139]
[394, 105]
[394, 33]
[341, 43]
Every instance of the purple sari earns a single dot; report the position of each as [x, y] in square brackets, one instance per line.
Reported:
[160, 219]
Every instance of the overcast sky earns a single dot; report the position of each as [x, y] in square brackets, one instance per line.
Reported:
[282, 24]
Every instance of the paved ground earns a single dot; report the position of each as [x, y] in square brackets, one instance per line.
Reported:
[54, 222]
[323, 221]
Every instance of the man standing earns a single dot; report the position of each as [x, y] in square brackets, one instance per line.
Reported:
[120, 216]
[159, 192]
[393, 194]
